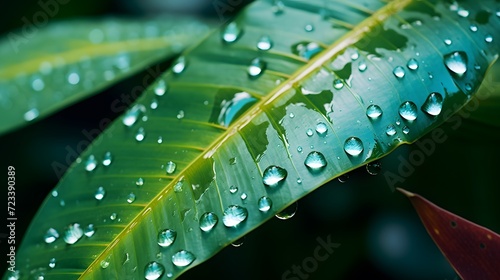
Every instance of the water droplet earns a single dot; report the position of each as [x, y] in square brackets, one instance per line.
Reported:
[55, 193]
[52, 263]
[390, 130]
[373, 168]
[299, 181]
[153, 271]
[107, 159]
[38, 84]
[178, 187]
[310, 132]
[447, 42]
[139, 136]
[473, 28]
[160, 88]
[306, 50]
[233, 189]
[232, 161]
[353, 146]
[231, 33]
[31, 114]
[50, 236]
[166, 237]
[315, 161]
[208, 221]
[456, 63]
[238, 242]
[256, 68]
[73, 78]
[180, 115]
[139, 182]
[291, 115]
[133, 114]
[406, 129]
[89, 230]
[265, 203]
[309, 28]
[373, 111]
[264, 43]
[463, 12]
[243, 196]
[433, 104]
[338, 84]
[100, 193]
[104, 263]
[299, 149]
[154, 104]
[321, 129]
[399, 72]
[234, 215]
[179, 65]
[183, 258]
[131, 198]
[288, 212]
[488, 38]
[412, 64]
[170, 167]
[274, 176]
[354, 55]
[408, 111]
[278, 7]
[160, 140]
[113, 216]
[73, 233]
[362, 66]
[343, 178]
[90, 163]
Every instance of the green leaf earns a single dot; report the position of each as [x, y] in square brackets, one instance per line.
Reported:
[44, 70]
[233, 114]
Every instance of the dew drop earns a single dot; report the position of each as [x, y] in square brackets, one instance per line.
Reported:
[243, 196]
[113, 216]
[264, 43]
[153, 271]
[355, 55]
[412, 64]
[178, 187]
[362, 66]
[139, 182]
[343, 178]
[306, 50]
[208, 221]
[234, 215]
[50, 236]
[373, 111]
[160, 140]
[390, 130]
[338, 84]
[291, 115]
[264, 204]
[232, 161]
[321, 129]
[73, 78]
[274, 176]
[473, 28]
[166, 237]
[73, 233]
[278, 7]
[447, 42]
[31, 114]
[399, 72]
[133, 114]
[131, 198]
[299, 149]
[288, 212]
[406, 129]
[180, 115]
[104, 264]
[456, 63]
[233, 189]
[90, 163]
[100, 193]
[309, 28]
[183, 258]
[373, 168]
[38, 84]
[488, 38]
[107, 159]
[52, 263]
[170, 167]
[179, 65]
[140, 135]
[353, 146]
[309, 132]
[154, 104]
[160, 88]
[408, 111]
[231, 33]
[238, 242]
[315, 161]
[55, 193]
[433, 104]
[256, 68]
[463, 12]
[89, 230]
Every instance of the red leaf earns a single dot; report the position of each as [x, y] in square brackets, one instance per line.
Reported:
[472, 250]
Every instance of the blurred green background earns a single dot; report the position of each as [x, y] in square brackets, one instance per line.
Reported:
[379, 233]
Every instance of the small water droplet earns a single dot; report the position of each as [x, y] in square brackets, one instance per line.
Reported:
[288, 212]
[354, 55]
[373, 168]
[315, 161]
[208, 221]
[399, 72]
[456, 63]
[343, 178]
[463, 12]
[408, 111]
[299, 149]
[299, 181]
[234, 215]
[131, 198]
[309, 28]
[178, 187]
[238, 242]
[90, 163]
[231, 33]
[183, 258]
[73, 233]
[353, 146]
[107, 159]
[278, 7]
[264, 43]
[306, 50]
[243, 196]
[180, 115]
[264, 204]
[50, 236]
[291, 115]
[89, 230]
[274, 176]
[321, 129]
[338, 84]
[256, 68]
[52, 263]
[31, 114]
[362, 66]
[232, 161]
[412, 64]
[139, 182]
[310, 132]
[160, 140]
[170, 167]
[133, 114]
[160, 88]
[100, 193]
[154, 104]
[73, 78]
[473, 28]
[166, 237]
[433, 104]
[373, 111]
[55, 193]
[153, 271]
[390, 130]
[447, 42]
[179, 65]
[233, 189]
[406, 129]
[140, 135]
[113, 216]
[488, 38]
[38, 84]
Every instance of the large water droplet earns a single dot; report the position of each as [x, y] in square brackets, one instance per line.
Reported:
[456, 63]
[256, 68]
[288, 212]
[234, 215]
[131, 198]
[208, 221]
[373, 168]
[399, 72]
[106, 161]
[274, 176]
[315, 161]
[140, 135]
[179, 65]
[50, 236]
[321, 129]
[52, 263]
[390, 130]
[73, 233]
[170, 167]
[231, 33]
[133, 114]
[90, 163]
[353, 146]
[412, 64]
[433, 104]
[373, 111]
[153, 271]
[89, 230]
[408, 111]
[183, 258]
[265, 203]
[264, 43]
[166, 237]
[160, 88]
[31, 114]
[100, 193]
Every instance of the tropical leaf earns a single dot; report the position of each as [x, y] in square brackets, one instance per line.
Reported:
[44, 70]
[243, 116]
